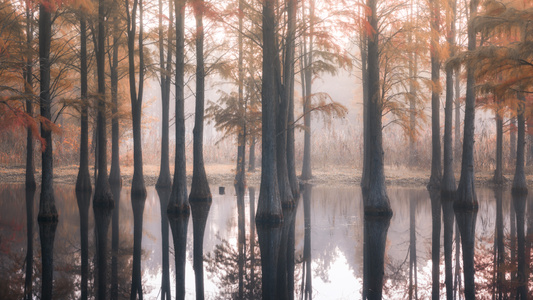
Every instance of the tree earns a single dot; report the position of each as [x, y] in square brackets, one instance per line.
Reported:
[199, 187]
[448, 186]
[136, 96]
[115, 178]
[165, 71]
[28, 90]
[306, 74]
[436, 169]
[466, 193]
[375, 196]
[83, 182]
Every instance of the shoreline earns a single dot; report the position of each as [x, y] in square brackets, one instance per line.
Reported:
[225, 173]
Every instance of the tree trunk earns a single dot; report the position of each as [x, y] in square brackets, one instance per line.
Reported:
[114, 175]
[164, 180]
[457, 133]
[375, 197]
[83, 182]
[269, 203]
[251, 159]
[448, 186]
[179, 203]
[519, 180]
[200, 186]
[102, 190]
[240, 176]
[498, 173]
[436, 168]
[28, 91]
[137, 182]
[307, 79]
[466, 193]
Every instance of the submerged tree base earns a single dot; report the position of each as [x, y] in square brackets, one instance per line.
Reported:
[269, 220]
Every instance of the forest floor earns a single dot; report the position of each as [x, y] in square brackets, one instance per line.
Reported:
[223, 174]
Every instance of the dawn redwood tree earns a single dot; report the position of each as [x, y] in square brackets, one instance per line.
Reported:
[136, 96]
[448, 186]
[115, 178]
[282, 109]
[165, 71]
[376, 201]
[306, 79]
[200, 187]
[178, 209]
[83, 182]
[240, 176]
[28, 91]
[269, 203]
[102, 191]
[436, 169]
[466, 192]
[47, 216]
[519, 179]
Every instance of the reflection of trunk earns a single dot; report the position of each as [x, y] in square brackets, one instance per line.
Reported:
[457, 277]
[47, 231]
[519, 201]
[137, 203]
[164, 195]
[102, 217]
[512, 222]
[413, 266]
[307, 278]
[448, 218]
[200, 211]
[374, 255]
[290, 251]
[84, 201]
[251, 195]
[28, 290]
[435, 242]
[466, 220]
[178, 224]
[529, 236]
[269, 244]
[284, 263]
[199, 187]
[241, 239]
[115, 242]
[499, 248]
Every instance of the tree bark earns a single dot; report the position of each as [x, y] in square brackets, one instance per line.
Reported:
[28, 91]
[466, 192]
[307, 58]
[448, 186]
[83, 182]
[179, 203]
[457, 133]
[240, 176]
[376, 201]
[436, 168]
[519, 180]
[200, 186]
[498, 173]
[102, 191]
[269, 203]
[164, 179]
[251, 157]
[114, 175]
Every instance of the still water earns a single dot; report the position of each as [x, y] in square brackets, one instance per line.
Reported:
[329, 251]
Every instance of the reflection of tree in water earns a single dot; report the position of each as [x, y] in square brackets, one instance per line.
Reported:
[238, 269]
